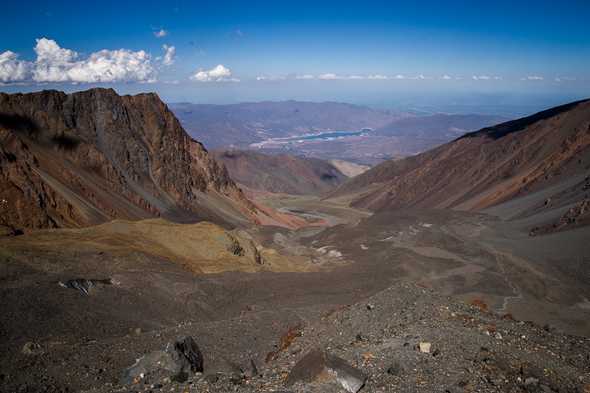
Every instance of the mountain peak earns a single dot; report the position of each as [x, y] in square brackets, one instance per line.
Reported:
[88, 157]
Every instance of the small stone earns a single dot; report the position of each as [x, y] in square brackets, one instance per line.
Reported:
[425, 347]
[395, 369]
[236, 379]
[212, 378]
[180, 377]
[547, 389]
[531, 381]
[31, 348]
[370, 306]
[498, 336]
[250, 371]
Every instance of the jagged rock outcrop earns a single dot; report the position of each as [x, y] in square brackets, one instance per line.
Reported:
[88, 157]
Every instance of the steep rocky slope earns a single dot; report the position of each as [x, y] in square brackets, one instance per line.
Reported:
[487, 167]
[92, 156]
[281, 173]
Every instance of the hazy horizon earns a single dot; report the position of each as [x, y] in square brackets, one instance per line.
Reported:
[507, 59]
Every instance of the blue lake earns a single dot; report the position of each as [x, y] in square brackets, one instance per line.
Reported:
[327, 135]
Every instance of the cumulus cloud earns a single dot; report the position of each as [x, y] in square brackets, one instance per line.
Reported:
[533, 78]
[56, 64]
[305, 76]
[377, 77]
[446, 77]
[218, 73]
[169, 53]
[481, 77]
[12, 69]
[160, 33]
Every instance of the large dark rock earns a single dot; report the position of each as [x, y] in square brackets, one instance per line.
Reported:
[83, 285]
[177, 361]
[318, 366]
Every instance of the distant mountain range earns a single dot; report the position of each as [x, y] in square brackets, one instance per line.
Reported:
[242, 124]
[392, 134]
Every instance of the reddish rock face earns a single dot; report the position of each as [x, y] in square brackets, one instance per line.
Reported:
[84, 158]
[484, 168]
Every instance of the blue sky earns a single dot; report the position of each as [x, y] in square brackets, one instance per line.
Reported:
[379, 53]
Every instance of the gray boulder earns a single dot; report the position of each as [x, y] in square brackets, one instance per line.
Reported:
[178, 361]
[319, 366]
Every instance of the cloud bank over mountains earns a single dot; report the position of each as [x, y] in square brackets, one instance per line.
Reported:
[55, 64]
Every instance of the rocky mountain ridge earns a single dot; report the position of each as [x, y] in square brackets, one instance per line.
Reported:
[548, 150]
[88, 157]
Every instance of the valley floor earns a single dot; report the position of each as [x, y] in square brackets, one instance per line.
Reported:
[344, 287]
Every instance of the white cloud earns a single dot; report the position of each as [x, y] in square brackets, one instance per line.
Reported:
[169, 53]
[399, 76]
[218, 73]
[446, 77]
[12, 69]
[56, 64]
[481, 77]
[305, 76]
[377, 77]
[271, 78]
[532, 78]
[329, 76]
[160, 33]
[332, 76]
[564, 79]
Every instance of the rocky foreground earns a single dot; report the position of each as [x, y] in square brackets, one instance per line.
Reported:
[406, 338]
